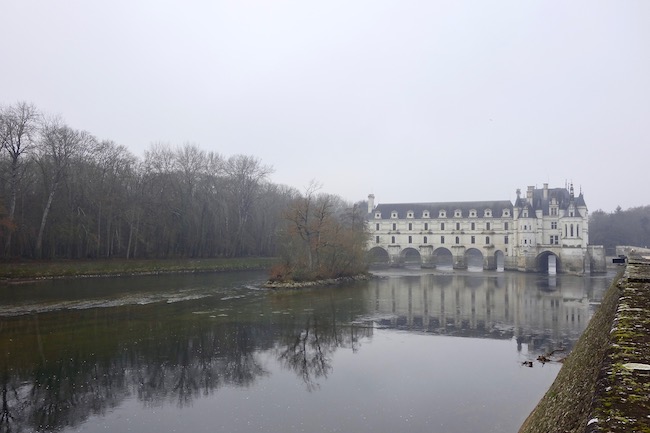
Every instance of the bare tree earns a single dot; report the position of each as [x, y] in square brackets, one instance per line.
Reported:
[58, 146]
[18, 125]
[245, 173]
[324, 238]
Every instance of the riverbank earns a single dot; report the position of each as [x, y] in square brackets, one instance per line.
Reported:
[14, 272]
[604, 385]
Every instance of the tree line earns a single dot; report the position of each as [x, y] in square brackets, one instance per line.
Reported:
[64, 193]
[621, 227]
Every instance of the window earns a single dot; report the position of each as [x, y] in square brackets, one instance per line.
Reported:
[487, 240]
[394, 226]
[554, 225]
[524, 214]
[442, 214]
[425, 214]
[410, 239]
[553, 211]
[457, 240]
[442, 226]
[473, 226]
[473, 239]
[472, 213]
[378, 215]
[578, 230]
[392, 239]
[442, 239]
[488, 213]
[426, 226]
[554, 240]
[571, 230]
[505, 225]
[410, 226]
[457, 226]
[506, 212]
[377, 226]
[410, 214]
[566, 231]
[426, 240]
[487, 226]
[377, 239]
[505, 240]
[393, 214]
[571, 212]
[458, 213]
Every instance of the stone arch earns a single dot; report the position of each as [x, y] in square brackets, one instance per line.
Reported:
[443, 258]
[410, 256]
[378, 255]
[499, 260]
[545, 260]
[474, 258]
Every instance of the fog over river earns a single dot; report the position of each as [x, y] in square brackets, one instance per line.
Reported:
[411, 350]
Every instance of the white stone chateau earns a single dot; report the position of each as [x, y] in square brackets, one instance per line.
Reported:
[547, 230]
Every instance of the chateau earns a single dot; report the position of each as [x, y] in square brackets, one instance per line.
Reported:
[547, 230]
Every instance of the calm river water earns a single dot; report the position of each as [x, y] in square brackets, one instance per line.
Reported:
[410, 351]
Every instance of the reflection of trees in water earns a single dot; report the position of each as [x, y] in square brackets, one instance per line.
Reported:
[308, 353]
[307, 349]
[80, 378]
[94, 361]
[198, 366]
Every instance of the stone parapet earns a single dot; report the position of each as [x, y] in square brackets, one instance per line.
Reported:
[622, 397]
[604, 384]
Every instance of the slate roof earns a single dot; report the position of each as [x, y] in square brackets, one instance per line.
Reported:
[497, 207]
[562, 195]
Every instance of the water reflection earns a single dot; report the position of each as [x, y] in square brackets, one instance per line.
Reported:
[58, 368]
[544, 311]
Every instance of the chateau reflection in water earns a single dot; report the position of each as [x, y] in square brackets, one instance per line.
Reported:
[544, 311]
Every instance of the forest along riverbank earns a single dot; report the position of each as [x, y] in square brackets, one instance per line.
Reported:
[604, 384]
[11, 272]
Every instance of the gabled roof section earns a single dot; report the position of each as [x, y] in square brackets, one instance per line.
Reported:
[434, 209]
[562, 197]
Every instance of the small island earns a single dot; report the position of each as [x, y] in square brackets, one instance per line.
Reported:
[323, 242]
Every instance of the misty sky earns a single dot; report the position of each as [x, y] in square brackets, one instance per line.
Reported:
[410, 100]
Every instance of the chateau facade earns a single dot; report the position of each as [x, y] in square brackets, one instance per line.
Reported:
[547, 230]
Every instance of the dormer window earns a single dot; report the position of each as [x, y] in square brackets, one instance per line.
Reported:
[442, 214]
[524, 213]
[506, 212]
[458, 213]
[393, 214]
[409, 214]
[425, 214]
[487, 213]
[378, 215]
[472, 213]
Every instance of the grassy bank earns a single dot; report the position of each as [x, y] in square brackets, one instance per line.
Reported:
[85, 268]
[565, 406]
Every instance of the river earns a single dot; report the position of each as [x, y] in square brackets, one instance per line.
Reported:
[411, 350]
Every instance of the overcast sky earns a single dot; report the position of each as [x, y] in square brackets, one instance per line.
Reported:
[409, 100]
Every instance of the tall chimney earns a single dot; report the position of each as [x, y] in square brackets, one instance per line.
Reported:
[546, 191]
[371, 202]
[529, 194]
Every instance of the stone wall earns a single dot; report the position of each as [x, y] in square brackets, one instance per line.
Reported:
[604, 384]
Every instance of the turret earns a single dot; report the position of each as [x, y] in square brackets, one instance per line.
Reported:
[371, 202]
